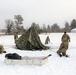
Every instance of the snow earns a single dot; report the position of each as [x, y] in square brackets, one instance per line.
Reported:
[55, 66]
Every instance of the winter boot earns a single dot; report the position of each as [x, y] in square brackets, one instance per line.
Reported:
[4, 51]
[67, 56]
[60, 55]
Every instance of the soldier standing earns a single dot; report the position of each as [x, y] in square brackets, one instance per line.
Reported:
[64, 45]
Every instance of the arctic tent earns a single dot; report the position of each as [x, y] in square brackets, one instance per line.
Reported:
[30, 41]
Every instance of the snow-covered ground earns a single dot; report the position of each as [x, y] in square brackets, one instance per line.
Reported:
[55, 66]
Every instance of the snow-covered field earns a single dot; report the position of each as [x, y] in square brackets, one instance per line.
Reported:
[55, 66]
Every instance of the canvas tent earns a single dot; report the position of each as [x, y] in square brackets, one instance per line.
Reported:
[30, 41]
[73, 30]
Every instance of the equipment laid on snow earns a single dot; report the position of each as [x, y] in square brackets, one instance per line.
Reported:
[26, 60]
[13, 56]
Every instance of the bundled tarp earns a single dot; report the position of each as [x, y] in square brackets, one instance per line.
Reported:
[30, 41]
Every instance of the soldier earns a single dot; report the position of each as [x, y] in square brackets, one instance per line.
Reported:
[2, 49]
[65, 37]
[47, 40]
[64, 45]
[15, 36]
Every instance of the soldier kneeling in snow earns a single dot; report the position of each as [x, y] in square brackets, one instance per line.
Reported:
[63, 48]
[2, 49]
[64, 45]
[47, 40]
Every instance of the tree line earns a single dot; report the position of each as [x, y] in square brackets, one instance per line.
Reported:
[16, 26]
[55, 27]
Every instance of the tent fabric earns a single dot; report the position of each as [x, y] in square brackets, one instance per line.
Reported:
[30, 41]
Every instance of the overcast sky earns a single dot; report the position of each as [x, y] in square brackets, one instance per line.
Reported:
[38, 11]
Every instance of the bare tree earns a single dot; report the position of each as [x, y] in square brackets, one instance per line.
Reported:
[55, 28]
[18, 22]
[9, 26]
[44, 28]
[67, 27]
[48, 28]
